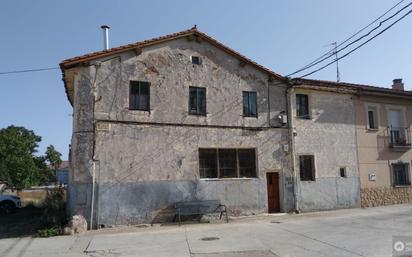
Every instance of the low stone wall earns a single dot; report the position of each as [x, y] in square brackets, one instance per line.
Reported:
[378, 196]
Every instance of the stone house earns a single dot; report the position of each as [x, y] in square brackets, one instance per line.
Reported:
[324, 146]
[382, 121]
[175, 118]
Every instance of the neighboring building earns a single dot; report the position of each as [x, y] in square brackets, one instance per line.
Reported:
[62, 174]
[383, 120]
[383, 123]
[179, 117]
[324, 146]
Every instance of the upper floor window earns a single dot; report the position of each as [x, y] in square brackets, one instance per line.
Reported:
[302, 106]
[139, 96]
[401, 175]
[197, 100]
[227, 163]
[196, 60]
[372, 117]
[249, 104]
[307, 167]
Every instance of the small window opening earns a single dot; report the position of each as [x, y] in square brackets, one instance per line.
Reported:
[342, 171]
[196, 60]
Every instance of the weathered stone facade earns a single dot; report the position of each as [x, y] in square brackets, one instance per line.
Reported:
[377, 196]
[328, 134]
[129, 166]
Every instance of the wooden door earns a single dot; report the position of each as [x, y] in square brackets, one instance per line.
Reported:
[273, 192]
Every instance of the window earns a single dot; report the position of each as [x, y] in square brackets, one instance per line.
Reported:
[302, 106]
[401, 174]
[227, 163]
[342, 171]
[196, 60]
[249, 104]
[197, 100]
[139, 98]
[208, 163]
[247, 163]
[307, 167]
[372, 117]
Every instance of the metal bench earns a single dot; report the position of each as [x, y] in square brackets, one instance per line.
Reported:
[200, 207]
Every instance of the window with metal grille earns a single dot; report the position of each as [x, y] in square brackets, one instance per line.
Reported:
[139, 96]
[302, 106]
[208, 163]
[307, 167]
[227, 163]
[401, 175]
[197, 100]
[249, 104]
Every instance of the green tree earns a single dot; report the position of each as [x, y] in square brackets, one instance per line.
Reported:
[18, 166]
[53, 157]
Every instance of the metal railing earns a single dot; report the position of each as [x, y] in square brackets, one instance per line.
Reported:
[400, 137]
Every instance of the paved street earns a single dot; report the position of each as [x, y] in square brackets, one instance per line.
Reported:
[355, 232]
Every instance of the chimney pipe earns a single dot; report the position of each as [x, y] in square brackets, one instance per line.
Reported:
[106, 36]
[398, 85]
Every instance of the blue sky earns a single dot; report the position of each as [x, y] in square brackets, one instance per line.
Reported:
[281, 35]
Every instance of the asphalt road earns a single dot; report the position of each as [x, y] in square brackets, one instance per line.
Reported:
[354, 232]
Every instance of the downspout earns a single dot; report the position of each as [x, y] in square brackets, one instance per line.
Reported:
[94, 88]
[289, 93]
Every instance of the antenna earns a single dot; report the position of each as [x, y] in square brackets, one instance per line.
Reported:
[335, 50]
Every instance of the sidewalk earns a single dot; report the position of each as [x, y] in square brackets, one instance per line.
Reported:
[354, 232]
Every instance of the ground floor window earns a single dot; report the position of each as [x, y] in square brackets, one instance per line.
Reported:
[401, 174]
[227, 163]
[307, 167]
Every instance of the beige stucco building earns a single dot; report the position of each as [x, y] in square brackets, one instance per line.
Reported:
[383, 119]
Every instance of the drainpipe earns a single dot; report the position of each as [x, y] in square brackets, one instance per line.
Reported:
[289, 93]
[94, 88]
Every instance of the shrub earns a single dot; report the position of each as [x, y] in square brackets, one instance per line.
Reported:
[48, 232]
[54, 214]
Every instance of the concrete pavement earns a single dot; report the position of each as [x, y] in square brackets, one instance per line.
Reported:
[354, 232]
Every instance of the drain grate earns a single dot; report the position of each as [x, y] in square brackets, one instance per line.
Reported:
[277, 222]
[210, 238]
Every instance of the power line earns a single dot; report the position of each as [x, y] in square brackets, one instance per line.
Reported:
[30, 70]
[333, 52]
[356, 48]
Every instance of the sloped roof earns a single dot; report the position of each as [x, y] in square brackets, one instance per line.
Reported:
[359, 88]
[69, 63]
[193, 31]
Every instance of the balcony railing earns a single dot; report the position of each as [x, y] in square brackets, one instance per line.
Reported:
[400, 137]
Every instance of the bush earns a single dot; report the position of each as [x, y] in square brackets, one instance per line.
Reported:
[54, 213]
[48, 232]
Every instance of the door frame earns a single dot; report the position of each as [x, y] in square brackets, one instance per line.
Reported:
[278, 194]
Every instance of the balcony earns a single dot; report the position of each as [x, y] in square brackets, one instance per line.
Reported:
[400, 138]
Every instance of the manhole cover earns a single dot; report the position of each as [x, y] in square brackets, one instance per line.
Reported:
[277, 222]
[210, 238]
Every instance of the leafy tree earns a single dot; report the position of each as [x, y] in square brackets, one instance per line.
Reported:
[53, 157]
[19, 166]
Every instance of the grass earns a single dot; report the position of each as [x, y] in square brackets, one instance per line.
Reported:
[23, 222]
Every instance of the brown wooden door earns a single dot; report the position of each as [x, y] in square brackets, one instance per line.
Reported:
[273, 192]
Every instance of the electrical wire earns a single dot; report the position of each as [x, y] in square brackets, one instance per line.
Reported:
[356, 48]
[335, 51]
[30, 70]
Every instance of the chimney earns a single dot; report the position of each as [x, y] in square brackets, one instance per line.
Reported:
[397, 85]
[106, 36]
